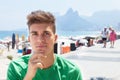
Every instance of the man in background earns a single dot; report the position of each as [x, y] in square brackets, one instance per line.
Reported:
[105, 35]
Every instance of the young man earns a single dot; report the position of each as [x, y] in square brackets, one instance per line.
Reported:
[42, 64]
[104, 37]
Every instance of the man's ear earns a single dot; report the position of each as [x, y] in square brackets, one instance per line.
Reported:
[56, 37]
[28, 38]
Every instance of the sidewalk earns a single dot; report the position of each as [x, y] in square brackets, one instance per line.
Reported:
[96, 61]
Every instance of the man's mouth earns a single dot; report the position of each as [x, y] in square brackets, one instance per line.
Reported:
[41, 47]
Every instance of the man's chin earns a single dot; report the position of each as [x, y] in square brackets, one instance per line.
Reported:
[40, 52]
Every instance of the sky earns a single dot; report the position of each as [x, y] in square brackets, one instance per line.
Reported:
[13, 12]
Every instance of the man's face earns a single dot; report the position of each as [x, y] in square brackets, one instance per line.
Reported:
[42, 38]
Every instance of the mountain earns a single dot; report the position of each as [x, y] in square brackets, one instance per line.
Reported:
[105, 18]
[71, 21]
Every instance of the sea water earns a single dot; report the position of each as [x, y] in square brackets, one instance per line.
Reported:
[77, 33]
[4, 34]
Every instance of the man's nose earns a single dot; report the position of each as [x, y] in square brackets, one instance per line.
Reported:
[40, 38]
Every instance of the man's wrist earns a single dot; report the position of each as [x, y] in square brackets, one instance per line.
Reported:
[27, 77]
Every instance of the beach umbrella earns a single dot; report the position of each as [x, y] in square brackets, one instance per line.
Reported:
[7, 39]
[17, 37]
[17, 40]
[21, 42]
[89, 37]
[13, 41]
[23, 37]
[13, 38]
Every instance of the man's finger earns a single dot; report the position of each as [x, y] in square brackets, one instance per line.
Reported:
[40, 65]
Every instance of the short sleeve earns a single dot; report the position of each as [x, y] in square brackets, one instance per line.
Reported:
[11, 74]
[75, 74]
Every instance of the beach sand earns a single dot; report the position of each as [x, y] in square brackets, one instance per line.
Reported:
[93, 61]
[4, 61]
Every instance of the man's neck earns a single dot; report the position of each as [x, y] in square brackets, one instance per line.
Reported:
[49, 61]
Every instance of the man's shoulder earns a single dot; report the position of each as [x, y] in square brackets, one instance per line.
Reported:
[21, 60]
[67, 66]
[65, 62]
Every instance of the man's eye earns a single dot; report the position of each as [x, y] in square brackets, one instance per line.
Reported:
[46, 34]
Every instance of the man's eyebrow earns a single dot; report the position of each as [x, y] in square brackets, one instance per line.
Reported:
[47, 31]
[32, 31]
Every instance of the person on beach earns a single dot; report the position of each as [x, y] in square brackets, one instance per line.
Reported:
[42, 63]
[24, 48]
[8, 46]
[109, 31]
[105, 35]
[112, 38]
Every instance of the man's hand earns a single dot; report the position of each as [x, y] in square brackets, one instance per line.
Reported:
[34, 63]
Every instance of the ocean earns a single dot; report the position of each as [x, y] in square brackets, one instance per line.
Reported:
[78, 33]
[4, 34]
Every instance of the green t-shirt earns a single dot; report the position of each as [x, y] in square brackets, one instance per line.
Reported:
[62, 69]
